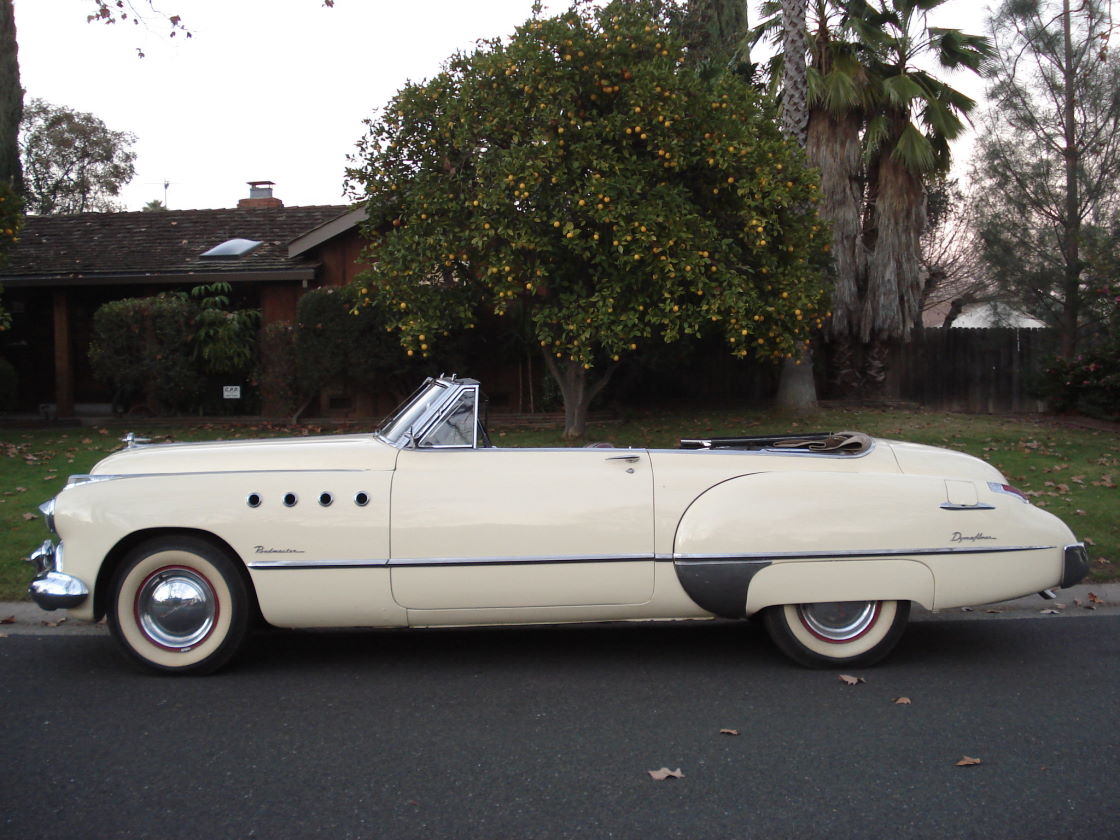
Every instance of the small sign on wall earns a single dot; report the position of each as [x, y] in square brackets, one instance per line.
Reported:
[231, 392]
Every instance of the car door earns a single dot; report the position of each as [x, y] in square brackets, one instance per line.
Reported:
[521, 528]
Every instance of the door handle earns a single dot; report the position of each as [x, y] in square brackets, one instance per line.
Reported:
[633, 459]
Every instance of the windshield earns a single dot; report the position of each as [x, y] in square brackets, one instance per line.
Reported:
[396, 426]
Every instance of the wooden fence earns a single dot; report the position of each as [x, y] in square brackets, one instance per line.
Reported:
[989, 370]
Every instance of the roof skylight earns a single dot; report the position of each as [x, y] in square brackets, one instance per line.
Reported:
[231, 249]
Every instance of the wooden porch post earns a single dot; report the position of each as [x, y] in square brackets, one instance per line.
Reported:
[63, 370]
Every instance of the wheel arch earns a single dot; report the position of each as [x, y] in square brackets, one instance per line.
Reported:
[116, 555]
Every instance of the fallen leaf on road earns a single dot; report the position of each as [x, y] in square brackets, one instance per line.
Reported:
[665, 773]
[848, 679]
[729, 732]
[11, 619]
[968, 761]
[1051, 612]
[1094, 598]
[54, 623]
[902, 701]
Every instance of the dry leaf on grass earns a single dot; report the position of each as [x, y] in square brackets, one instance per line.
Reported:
[29, 516]
[665, 773]
[968, 761]
[848, 679]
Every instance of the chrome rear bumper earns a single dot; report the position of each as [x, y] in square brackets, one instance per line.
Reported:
[52, 589]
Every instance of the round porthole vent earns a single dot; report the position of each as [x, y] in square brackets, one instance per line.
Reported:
[254, 500]
[361, 499]
[290, 499]
[326, 499]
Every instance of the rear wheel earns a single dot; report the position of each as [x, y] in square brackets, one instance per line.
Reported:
[838, 633]
[179, 605]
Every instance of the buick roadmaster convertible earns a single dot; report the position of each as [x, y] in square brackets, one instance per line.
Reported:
[828, 539]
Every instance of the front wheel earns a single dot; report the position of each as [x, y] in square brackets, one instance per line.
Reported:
[179, 605]
[839, 633]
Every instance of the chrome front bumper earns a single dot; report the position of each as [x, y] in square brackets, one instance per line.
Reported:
[51, 589]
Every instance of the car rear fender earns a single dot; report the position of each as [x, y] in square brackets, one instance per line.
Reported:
[782, 537]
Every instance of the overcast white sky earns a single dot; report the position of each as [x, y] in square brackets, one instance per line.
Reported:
[265, 89]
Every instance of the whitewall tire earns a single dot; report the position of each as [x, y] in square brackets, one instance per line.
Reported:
[843, 633]
[180, 605]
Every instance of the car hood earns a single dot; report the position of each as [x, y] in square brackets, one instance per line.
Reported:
[331, 452]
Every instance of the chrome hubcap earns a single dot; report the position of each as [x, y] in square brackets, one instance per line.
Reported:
[839, 621]
[176, 608]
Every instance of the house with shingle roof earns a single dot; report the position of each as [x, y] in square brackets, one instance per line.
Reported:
[65, 267]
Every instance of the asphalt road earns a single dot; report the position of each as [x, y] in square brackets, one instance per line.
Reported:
[550, 732]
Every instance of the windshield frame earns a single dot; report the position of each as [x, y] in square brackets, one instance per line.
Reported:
[421, 413]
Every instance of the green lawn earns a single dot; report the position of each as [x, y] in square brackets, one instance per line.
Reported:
[1072, 472]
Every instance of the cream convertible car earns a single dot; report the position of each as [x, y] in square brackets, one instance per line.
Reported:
[828, 538]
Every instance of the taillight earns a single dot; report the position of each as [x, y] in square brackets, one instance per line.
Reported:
[996, 487]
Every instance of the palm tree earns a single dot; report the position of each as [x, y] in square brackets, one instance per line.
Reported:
[915, 116]
[878, 127]
[839, 101]
[717, 35]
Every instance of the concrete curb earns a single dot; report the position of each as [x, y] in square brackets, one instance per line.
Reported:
[24, 618]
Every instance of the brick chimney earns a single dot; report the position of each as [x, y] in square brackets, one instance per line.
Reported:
[260, 195]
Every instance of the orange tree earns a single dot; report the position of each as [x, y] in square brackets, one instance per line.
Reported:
[582, 172]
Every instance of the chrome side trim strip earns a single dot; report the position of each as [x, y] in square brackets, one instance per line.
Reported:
[444, 562]
[977, 506]
[685, 559]
[318, 564]
[77, 480]
[852, 555]
[512, 561]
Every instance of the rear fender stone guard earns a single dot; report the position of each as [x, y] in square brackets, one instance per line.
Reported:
[719, 585]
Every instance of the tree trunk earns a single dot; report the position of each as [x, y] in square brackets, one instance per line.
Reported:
[795, 87]
[11, 99]
[577, 390]
[875, 368]
[1071, 233]
[834, 148]
[894, 283]
[797, 390]
[844, 374]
